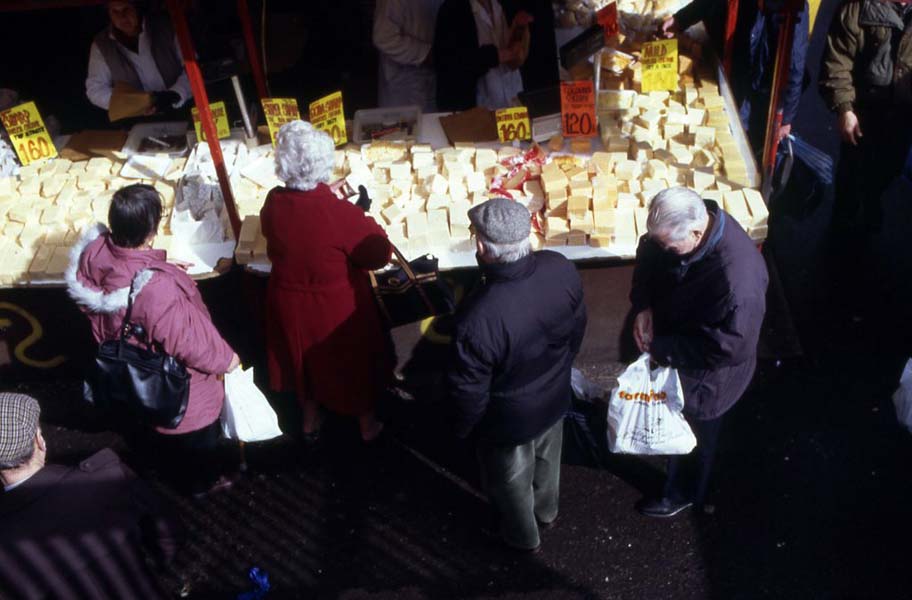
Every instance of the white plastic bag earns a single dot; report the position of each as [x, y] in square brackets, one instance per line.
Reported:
[644, 414]
[583, 388]
[902, 397]
[247, 415]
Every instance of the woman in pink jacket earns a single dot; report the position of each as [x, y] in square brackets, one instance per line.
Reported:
[168, 306]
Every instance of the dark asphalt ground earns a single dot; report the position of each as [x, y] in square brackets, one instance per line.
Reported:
[811, 491]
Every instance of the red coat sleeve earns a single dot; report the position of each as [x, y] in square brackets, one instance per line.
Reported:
[363, 240]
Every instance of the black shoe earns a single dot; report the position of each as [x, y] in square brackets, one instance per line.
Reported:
[662, 508]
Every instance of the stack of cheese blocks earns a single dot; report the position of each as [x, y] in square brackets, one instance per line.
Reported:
[45, 208]
[420, 196]
[662, 139]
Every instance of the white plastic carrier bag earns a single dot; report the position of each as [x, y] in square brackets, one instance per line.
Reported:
[644, 414]
[247, 415]
[902, 397]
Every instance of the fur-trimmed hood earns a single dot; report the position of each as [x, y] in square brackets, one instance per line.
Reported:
[88, 292]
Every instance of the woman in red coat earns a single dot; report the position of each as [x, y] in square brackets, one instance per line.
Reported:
[324, 336]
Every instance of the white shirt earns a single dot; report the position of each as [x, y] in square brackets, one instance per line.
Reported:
[12, 486]
[404, 35]
[100, 84]
[500, 85]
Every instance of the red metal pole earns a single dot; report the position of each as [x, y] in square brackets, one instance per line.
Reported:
[728, 46]
[252, 54]
[198, 87]
[780, 78]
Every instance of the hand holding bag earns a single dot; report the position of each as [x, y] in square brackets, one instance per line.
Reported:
[644, 414]
[139, 382]
[411, 291]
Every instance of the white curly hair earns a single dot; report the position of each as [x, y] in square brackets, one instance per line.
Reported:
[303, 155]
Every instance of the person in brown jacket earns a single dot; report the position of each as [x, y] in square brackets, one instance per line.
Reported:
[866, 78]
[82, 532]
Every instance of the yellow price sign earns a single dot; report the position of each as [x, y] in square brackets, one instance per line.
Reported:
[222, 128]
[327, 114]
[513, 124]
[660, 66]
[29, 136]
[279, 111]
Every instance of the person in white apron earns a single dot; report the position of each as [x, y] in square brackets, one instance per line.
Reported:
[499, 87]
[403, 35]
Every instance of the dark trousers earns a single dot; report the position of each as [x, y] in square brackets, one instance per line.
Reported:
[189, 460]
[523, 483]
[688, 475]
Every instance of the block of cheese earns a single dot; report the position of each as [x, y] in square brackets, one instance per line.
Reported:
[438, 184]
[534, 189]
[616, 144]
[556, 228]
[58, 263]
[704, 137]
[422, 159]
[476, 182]
[426, 172]
[581, 145]
[577, 238]
[641, 152]
[38, 269]
[582, 223]
[604, 222]
[735, 205]
[625, 227]
[581, 188]
[627, 170]
[393, 214]
[758, 209]
[577, 206]
[435, 201]
[597, 240]
[485, 158]
[578, 174]
[703, 158]
[681, 155]
[695, 117]
[672, 130]
[458, 190]
[438, 223]
[553, 182]
[649, 120]
[627, 201]
[640, 216]
[703, 178]
[656, 168]
[52, 214]
[416, 225]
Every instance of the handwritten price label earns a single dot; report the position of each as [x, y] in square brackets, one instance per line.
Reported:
[220, 115]
[660, 66]
[578, 109]
[513, 124]
[28, 134]
[327, 114]
[279, 111]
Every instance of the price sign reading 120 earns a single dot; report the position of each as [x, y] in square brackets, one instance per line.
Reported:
[578, 109]
[513, 124]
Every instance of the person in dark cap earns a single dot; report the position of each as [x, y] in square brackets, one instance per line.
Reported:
[514, 342]
[82, 532]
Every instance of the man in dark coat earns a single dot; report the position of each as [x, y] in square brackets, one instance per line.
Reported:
[509, 374]
[80, 532]
[699, 296]
[753, 46]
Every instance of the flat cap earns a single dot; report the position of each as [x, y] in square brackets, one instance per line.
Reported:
[501, 220]
[18, 424]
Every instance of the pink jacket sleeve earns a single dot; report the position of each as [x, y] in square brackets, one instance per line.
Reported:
[184, 331]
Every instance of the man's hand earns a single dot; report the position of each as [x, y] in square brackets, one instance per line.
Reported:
[511, 56]
[784, 131]
[165, 101]
[180, 264]
[849, 128]
[668, 28]
[642, 330]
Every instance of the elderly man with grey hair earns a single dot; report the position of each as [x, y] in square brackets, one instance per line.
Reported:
[699, 296]
[509, 374]
[80, 532]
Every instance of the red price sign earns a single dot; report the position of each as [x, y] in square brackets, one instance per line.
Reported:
[513, 124]
[607, 17]
[578, 109]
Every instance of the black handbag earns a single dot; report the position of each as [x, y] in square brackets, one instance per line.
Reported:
[411, 291]
[138, 382]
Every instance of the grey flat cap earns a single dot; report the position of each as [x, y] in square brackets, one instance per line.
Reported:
[501, 221]
[18, 424]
